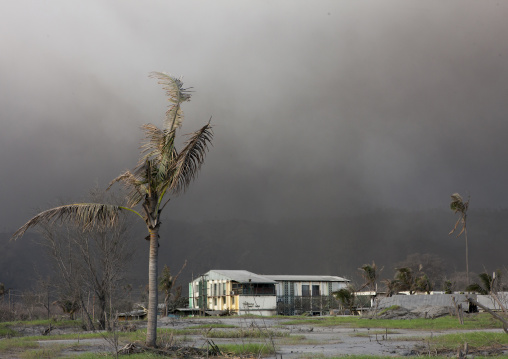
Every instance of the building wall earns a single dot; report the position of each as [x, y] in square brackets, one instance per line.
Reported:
[219, 295]
[257, 304]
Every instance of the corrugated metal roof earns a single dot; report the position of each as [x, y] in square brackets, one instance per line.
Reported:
[240, 276]
[307, 278]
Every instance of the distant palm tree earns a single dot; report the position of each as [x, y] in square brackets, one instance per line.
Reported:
[458, 205]
[161, 171]
[487, 283]
[370, 275]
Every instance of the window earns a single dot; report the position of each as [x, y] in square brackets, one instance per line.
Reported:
[214, 301]
[315, 291]
[214, 289]
[224, 300]
[305, 290]
[232, 300]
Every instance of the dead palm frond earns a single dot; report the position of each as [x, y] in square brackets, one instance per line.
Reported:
[86, 215]
[176, 95]
[135, 186]
[189, 161]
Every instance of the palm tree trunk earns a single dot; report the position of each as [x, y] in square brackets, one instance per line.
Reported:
[467, 258]
[151, 330]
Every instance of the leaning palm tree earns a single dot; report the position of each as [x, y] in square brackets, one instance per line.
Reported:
[162, 171]
[459, 206]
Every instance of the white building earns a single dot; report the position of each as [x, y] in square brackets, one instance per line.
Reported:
[243, 292]
[237, 291]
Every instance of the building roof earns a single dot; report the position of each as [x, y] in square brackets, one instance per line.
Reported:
[307, 278]
[240, 276]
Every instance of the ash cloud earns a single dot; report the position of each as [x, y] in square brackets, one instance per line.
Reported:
[319, 107]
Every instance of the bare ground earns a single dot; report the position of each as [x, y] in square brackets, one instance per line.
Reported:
[310, 342]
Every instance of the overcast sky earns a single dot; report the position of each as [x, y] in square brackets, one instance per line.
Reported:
[319, 107]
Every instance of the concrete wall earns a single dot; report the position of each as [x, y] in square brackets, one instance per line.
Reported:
[490, 303]
[415, 301]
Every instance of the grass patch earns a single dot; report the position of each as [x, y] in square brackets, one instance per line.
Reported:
[18, 343]
[477, 321]
[247, 348]
[7, 332]
[45, 323]
[474, 340]
[49, 351]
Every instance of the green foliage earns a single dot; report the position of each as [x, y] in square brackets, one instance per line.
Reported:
[448, 285]
[346, 296]
[7, 332]
[407, 280]
[166, 280]
[487, 283]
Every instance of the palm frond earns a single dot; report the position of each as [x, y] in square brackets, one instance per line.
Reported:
[456, 225]
[135, 186]
[176, 95]
[159, 147]
[486, 280]
[86, 215]
[189, 160]
[173, 86]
